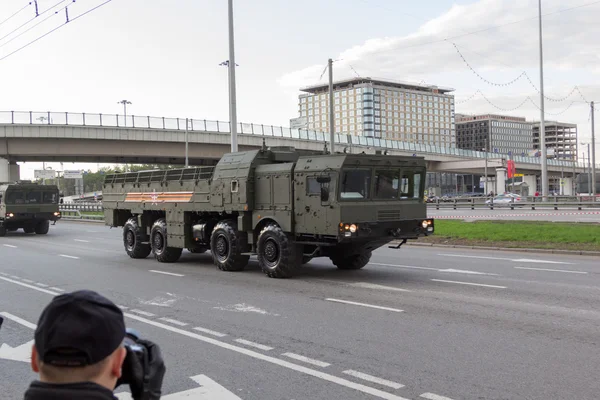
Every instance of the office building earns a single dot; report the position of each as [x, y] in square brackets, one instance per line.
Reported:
[561, 139]
[382, 109]
[497, 133]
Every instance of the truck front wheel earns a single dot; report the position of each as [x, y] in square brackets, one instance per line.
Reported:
[42, 227]
[133, 238]
[277, 254]
[227, 246]
[354, 261]
[160, 247]
[29, 229]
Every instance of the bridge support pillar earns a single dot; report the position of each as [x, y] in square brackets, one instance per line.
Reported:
[4, 170]
[531, 181]
[500, 180]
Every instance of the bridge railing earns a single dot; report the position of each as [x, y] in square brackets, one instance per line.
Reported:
[550, 202]
[244, 128]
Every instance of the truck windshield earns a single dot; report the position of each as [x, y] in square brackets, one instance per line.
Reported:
[15, 197]
[356, 184]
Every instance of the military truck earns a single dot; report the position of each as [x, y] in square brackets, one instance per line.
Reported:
[275, 203]
[28, 206]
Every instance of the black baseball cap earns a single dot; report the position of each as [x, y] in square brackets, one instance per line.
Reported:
[78, 329]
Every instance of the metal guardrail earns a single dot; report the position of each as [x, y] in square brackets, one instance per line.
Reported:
[203, 125]
[553, 202]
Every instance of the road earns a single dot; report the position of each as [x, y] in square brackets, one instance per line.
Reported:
[589, 215]
[417, 323]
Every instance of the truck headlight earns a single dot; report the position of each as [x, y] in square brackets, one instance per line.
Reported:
[10, 215]
[353, 228]
[424, 224]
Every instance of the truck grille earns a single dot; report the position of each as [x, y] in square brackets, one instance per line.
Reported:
[388, 215]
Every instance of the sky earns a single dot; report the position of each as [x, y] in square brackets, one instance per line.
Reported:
[164, 56]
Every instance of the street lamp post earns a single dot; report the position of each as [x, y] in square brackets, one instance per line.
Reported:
[125, 103]
[542, 115]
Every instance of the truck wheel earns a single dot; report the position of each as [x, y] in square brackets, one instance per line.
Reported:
[42, 227]
[355, 261]
[158, 239]
[277, 255]
[2, 231]
[227, 246]
[133, 238]
[28, 229]
[12, 229]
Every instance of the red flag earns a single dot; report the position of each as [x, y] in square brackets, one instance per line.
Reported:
[511, 168]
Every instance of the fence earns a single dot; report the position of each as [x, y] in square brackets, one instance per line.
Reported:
[203, 125]
[82, 211]
[550, 202]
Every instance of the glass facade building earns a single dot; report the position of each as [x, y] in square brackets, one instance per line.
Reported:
[382, 109]
[496, 133]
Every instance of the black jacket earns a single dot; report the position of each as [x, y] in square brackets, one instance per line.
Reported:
[75, 391]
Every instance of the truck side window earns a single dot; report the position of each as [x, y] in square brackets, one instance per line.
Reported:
[50, 198]
[313, 188]
[417, 185]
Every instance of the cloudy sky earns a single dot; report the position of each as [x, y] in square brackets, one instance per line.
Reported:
[164, 56]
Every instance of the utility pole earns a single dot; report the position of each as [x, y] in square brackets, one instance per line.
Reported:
[590, 172]
[485, 183]
[187, 164]
[232, 94]
[593, 160]
[542, 123]
[125, 103]
[331, 110]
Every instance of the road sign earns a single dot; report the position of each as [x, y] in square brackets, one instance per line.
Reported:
[44, 174]
[73, 174]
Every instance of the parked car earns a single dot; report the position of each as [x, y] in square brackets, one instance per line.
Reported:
[506, 199]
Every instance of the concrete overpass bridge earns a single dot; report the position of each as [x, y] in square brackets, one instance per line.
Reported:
[109, 138]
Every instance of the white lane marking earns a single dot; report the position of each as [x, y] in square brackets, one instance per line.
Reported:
[525, 260]
[373, 379]
[367, 285]
[14, 277]
[81, 240]
[4, 273]
[470, 284]
[146, 313]
[405, 266]
[433, 396]
[41, 284]
[243, 307]
[209, 331]
[27, 280]
[273, 360]
[10, 245]
[18, 320]
[354, 303]
[29, 286]
[553, 270]
[462, 271]
[165, 273]
[122, 307]
[57, 289]
[254, 344]
[66, 256]
[529, 260]
[307, 360]
[173, 321]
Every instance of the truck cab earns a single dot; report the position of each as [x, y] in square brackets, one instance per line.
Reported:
[28, 206]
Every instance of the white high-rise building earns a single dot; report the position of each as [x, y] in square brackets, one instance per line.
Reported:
[383, 109]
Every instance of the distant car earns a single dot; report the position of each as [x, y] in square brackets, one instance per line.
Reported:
[506, 200]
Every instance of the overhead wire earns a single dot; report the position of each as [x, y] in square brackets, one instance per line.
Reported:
[16, 13]
[27, 30]
[32, 19]
[55, 29]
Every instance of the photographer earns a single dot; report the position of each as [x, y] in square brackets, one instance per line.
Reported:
[82, 351]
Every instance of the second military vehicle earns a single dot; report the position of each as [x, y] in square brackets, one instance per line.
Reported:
[28, 206]
[284, 207]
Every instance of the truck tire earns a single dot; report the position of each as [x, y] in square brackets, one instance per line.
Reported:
[355, 261]
[2, 231]
[158, 238]
[28, 229]
[42, 227]
[12, 229]
[227, 247]
[277, 254]
[133, 238]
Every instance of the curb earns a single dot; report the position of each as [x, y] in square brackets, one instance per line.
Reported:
[514, 249]
[94, 221]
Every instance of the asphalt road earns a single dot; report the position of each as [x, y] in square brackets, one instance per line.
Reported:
[417, 323]
[589, 215]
